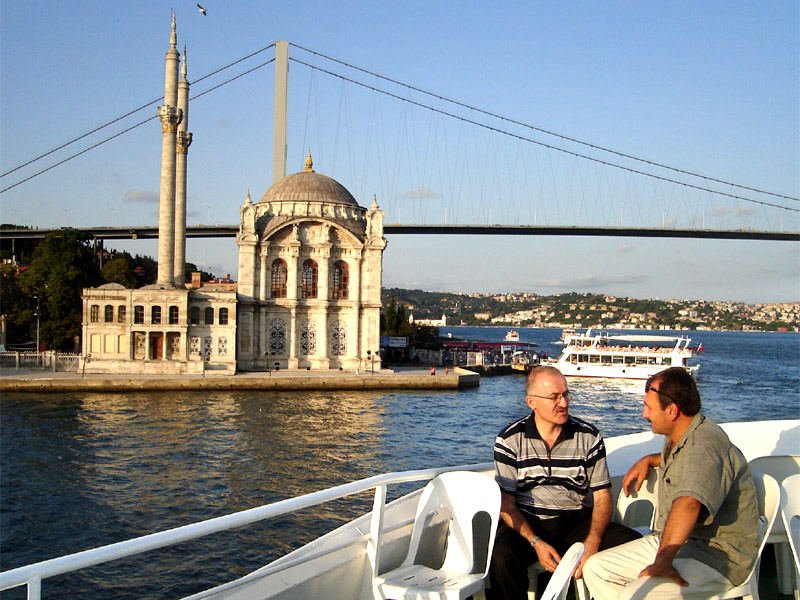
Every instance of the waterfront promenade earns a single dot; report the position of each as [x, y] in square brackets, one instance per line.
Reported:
[43, 381]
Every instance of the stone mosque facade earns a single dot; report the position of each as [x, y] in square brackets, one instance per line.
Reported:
[309, 279]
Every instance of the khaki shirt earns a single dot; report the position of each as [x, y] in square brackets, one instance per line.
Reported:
[706, 466]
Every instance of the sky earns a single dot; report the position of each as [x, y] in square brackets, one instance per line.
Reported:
[711, 88]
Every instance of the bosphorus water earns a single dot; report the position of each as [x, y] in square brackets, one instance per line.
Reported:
[81, 470]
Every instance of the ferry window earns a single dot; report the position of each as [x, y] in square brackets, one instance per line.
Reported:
[108, 313]
[94, 313]
[617, 360]
[278, 279]
[651, 360]
[208, 315]
[340, 277]
[641, 360]
[594, 358]
[173, 315]
[583, 358]
[223, 316]
[194, 315]
[628, 360]
[309, 279]
[138, 314]
[155, 315]
[122, 314]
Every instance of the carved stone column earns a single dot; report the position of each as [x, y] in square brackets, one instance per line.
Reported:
[293, 362]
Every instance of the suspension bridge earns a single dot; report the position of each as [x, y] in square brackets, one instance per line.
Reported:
[445, 167]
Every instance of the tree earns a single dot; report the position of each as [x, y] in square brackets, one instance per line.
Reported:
[63, 265]
[16, 307]
[119, 270]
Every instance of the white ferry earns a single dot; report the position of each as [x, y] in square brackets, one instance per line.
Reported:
[623, 356]
[512, 335]
[342, 563]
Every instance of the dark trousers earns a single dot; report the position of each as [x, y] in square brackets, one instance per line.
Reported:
[512, 554]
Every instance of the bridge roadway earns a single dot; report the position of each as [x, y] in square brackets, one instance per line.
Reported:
[221, 231]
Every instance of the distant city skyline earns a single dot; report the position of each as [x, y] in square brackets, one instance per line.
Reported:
[711, 88]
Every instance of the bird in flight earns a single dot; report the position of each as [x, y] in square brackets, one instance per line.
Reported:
[201, 9]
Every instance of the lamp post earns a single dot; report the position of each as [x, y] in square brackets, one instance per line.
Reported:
[36, 314]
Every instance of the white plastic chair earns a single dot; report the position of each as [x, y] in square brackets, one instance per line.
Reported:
[473, 501]
[790, 516]
[768, 493]
[779, 466]
[559, 583]
[638, 510]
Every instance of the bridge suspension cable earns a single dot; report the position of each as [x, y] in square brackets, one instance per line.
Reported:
[535, 128]
[128, 114]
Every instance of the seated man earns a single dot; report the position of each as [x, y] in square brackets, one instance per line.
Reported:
[706, 534]
[555, 488]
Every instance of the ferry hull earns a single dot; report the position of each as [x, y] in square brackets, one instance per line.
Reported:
[609, 372]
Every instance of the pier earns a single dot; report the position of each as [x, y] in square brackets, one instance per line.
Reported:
[37, 381]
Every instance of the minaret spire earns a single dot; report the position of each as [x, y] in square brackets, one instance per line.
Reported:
[182, 142]
[170, 116]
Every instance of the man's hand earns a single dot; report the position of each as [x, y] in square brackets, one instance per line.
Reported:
[591, 546]
[639, 471]
[548, 557]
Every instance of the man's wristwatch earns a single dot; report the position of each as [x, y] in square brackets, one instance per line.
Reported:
[535, 539]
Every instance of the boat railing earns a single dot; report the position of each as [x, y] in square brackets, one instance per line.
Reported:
[32, 575]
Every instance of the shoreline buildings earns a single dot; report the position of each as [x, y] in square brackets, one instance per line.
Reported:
[310, 268]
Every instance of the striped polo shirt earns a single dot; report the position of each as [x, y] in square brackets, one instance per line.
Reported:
[549, 486]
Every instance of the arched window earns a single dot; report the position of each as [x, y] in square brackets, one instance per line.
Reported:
[208, 315]
[138, 314]
[223, 316]
[108, 313]
[309, 281]
[94, 313]
[122, 314]
[155, 315]
[278, 280]
[173, 315]
[194, 315]
[340, 280]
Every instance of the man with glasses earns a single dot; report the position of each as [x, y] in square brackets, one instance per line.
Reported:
[555, 488]
[705, 538]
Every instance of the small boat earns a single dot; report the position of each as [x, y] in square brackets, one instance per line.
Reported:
[338, 565]
[566, 333]
[512, 335]
[623, 356]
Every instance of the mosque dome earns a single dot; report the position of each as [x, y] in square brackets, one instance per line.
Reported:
[309, 186]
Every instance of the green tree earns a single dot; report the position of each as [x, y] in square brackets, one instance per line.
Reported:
[15, 306]
[63, 265]
[119, 270]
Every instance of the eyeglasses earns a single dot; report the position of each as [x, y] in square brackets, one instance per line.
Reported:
[553, 398]
[650, 388]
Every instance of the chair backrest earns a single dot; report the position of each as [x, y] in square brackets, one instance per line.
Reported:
[790, 514]
[559, 583]
[473, 502]
[768, 493]
[638, 510]
[779, 467]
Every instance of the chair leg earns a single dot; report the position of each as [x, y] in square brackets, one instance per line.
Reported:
[581, 591]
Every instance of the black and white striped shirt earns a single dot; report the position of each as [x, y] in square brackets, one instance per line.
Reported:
[550, 486]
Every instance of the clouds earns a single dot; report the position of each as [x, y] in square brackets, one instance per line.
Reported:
[140, 197]
[421, 193]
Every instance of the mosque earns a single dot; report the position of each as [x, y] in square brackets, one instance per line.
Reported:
[309, 272]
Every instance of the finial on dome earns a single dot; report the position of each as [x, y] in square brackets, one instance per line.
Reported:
[173, 37]
[374, 202]
[309, 164]
[248, 200]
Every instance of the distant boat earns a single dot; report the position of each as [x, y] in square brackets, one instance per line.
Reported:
[565, 333]
[512, 335]
[623, 356]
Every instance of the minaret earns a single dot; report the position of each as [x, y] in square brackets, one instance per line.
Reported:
[170, 116]
[183, 141]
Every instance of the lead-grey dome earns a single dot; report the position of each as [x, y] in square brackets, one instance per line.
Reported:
[308, 185]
